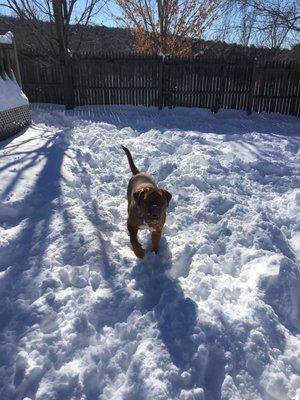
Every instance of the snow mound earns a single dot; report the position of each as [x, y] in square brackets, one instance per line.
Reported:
[7, 38]
[11, 95]
[215, 315]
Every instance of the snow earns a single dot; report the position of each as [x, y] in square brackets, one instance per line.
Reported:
[11, 95]
[215, 315]
[7, 38]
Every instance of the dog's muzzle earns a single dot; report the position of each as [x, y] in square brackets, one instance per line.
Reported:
[154, 212]
[153, 215]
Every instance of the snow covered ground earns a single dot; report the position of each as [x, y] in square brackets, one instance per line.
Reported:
[214, 316]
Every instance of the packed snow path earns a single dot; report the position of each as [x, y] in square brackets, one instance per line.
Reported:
[214, 316]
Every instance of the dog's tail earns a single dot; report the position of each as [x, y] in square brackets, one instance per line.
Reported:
[130, 160]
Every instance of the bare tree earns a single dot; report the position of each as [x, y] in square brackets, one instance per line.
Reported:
[246, 28]
[286, 13]
[62, 15]
[269, 23]
[272, 35]
[167, 26]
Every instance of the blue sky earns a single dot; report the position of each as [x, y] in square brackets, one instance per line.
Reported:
[105, 17]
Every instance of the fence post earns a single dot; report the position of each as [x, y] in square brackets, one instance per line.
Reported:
[68, 84]
[252, 86]
[160, 82]
[293, 95]
[222, 87]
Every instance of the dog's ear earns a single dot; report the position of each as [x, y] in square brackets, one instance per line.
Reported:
[167, 195]
[138, 195]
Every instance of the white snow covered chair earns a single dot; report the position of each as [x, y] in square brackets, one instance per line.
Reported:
[14, 105]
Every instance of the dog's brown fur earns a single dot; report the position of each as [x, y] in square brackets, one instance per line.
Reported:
[147, 205]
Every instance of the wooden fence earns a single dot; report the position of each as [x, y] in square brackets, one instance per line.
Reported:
[151, 80]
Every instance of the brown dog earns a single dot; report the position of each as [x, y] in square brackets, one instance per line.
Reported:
[147, 206]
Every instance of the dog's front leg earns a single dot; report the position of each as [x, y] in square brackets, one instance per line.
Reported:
[136, 246]
[155, 240]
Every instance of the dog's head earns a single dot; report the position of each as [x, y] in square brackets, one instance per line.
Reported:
[152, 204]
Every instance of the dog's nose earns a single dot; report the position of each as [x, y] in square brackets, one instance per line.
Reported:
[154, 212]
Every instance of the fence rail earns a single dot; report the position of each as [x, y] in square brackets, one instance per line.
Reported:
[151, 80]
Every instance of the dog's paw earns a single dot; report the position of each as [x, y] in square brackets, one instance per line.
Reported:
[139, 251]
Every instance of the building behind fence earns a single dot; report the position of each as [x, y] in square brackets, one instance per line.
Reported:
[150, 80]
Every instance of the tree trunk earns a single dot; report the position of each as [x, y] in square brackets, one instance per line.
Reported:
[64, 57]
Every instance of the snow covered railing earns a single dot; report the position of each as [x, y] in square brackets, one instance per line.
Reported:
[14, 105]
